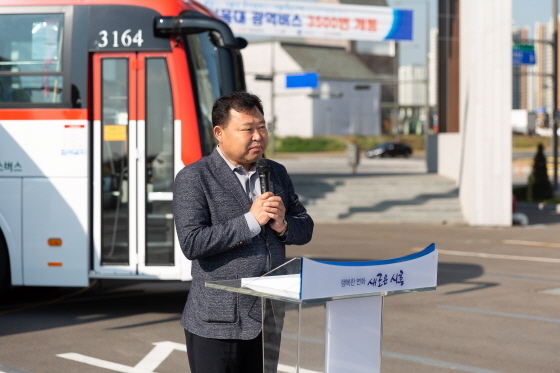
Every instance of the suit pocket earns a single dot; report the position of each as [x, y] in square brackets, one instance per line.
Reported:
[221, 306]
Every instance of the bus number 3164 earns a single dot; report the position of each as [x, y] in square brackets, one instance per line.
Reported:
[126, 39]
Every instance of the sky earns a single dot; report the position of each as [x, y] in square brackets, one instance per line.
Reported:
[524, 13]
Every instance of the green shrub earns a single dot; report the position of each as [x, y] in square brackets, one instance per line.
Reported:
[539, 187]
[315, 144]
[524, 141]
[338, 143]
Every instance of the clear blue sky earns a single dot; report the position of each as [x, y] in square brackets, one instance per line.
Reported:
[527, 12]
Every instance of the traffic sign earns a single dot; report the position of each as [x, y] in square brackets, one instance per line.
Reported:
[523, 55]
[310, 80]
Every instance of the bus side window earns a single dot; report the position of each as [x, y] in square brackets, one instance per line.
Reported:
[31, 44]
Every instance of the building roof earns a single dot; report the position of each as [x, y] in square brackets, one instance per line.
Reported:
[329, 62]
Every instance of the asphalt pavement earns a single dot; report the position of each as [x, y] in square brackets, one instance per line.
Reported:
[496, 308]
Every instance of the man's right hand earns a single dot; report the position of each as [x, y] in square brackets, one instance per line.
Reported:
[257, 209]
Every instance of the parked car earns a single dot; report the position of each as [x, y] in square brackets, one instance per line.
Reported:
[389, 149]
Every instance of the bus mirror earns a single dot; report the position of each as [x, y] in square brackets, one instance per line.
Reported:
[194, 23]
[241, 43]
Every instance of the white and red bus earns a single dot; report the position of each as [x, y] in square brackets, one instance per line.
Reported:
[101, 103]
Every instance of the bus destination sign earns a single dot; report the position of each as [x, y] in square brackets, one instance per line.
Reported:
[109, 31]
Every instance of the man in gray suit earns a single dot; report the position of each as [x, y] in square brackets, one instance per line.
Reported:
[230, 230]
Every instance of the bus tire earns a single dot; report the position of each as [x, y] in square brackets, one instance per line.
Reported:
[5, 278]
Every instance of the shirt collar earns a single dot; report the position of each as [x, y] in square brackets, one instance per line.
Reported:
[233, 167]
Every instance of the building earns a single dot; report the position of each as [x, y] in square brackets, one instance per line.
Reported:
[520, 76]
[532, 85]
[413, 88]
[381, 57]
[412, 99]
[345, 101]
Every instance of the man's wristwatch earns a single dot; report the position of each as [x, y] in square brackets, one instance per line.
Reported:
[284, 233]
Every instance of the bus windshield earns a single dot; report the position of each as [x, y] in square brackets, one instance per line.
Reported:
[31, 58]
[203, 59]
[215, 70]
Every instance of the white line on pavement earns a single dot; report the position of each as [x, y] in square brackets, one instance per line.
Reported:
[115, 367]
[500, 256]
[531, 243]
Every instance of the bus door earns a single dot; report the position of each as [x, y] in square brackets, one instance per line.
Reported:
[133, 167]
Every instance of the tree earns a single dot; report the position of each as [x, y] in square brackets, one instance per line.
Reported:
[539, 187]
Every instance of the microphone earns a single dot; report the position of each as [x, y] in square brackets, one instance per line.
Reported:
[263, 169]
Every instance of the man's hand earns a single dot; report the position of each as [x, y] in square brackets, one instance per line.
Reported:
[268, 208]
[258, 209]
[276, 212]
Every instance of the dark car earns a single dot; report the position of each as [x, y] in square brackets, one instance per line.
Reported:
[389, 149]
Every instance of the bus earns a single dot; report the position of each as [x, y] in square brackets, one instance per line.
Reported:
[102, 102]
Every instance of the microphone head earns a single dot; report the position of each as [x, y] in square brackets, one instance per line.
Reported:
[263, 166]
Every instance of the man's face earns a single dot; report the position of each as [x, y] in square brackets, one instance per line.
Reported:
[244, 139]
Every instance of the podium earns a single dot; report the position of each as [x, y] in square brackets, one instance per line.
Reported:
[321, 316]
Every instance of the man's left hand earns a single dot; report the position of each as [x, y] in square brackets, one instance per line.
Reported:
[276, 212]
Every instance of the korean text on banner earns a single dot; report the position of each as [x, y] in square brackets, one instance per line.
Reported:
[334, 279]
[314, 20]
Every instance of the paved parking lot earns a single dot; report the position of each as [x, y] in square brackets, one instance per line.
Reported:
[496, 308]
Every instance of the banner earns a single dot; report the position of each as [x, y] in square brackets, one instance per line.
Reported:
[334, 279]
[314, 20]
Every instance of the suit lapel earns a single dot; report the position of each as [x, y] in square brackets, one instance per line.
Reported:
[229, 180]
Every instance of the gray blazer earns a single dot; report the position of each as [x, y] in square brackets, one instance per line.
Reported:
[209, 203]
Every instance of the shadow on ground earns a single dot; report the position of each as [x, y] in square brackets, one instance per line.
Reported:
[29, 309]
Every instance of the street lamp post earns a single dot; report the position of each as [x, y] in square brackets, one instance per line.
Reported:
[555, 93]
[428, 116]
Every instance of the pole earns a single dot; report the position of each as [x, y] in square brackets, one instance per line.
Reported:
[395, 109]
[555, 93]
[428, 116]
[272, 124]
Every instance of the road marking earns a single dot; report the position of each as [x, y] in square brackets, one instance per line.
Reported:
[503, 314]
[395, 355]
[158, 354]
[152, 360]
[98, 362]
[518, 277]
[499, 256]
[147, 365]
[438, 363]
[551, 291]
[531, 243]
[163, 349]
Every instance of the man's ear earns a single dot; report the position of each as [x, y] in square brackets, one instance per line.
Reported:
[218, 133]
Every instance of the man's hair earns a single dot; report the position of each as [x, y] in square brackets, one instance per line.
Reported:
[242, 102]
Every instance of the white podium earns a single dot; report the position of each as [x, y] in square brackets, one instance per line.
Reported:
[327, 316]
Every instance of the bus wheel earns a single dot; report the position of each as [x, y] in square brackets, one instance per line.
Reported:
[4, 266]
